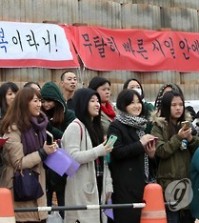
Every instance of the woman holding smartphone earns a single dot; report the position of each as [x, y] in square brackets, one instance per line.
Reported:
[84, 140]
[59, 117]
[174, 159]
[127, 158]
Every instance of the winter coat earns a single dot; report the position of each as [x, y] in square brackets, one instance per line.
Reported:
[148, 108]
[105, 120]
[12, 153]
[81, 188]
[127, 171]
[174, 163]
[50, 91]
[194, 175]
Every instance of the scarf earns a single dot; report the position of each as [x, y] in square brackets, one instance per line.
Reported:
[139, 124]
[108, 110]
[34, 137]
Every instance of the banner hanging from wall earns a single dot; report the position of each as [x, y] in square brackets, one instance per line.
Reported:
[35, 45]
[137, 50]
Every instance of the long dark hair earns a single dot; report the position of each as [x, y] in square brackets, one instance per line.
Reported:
[56, 114]
[81, 100]
[165, 110]
[173, 86]
[3, 91]
[18, 112]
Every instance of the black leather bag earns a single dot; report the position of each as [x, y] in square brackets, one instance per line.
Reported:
[26, 185]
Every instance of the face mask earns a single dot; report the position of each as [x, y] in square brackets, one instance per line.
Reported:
[139, 91]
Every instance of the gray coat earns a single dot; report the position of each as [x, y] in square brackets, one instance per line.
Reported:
[81, 188]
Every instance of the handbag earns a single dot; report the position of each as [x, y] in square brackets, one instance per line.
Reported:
[26, 185]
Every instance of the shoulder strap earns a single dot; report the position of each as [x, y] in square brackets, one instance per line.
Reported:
[80, 129]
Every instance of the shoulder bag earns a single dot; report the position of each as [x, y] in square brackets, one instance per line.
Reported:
[26, 185]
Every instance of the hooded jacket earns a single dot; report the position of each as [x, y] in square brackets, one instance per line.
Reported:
[51, 92]
[173, 162]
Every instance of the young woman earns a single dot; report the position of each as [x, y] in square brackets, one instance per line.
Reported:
[25, 126]
[134, 84]
[127, 165]
[8, 91]
[174, 159]
[83, 139]
[103, 88]
[55, 108]
[59, 117]
[148, 108]
[163, 89]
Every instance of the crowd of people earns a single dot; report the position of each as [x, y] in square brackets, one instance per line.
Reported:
[152, 145]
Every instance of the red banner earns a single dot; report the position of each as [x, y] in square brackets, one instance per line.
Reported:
[137, 50]
[36, 45]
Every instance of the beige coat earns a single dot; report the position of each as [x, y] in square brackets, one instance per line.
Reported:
[13, 153]
[81, 189]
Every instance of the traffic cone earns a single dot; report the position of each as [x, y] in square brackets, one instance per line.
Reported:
[6, 206]
[154, 211]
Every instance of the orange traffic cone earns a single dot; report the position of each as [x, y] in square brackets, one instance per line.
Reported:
[154, 211]
[6, 206]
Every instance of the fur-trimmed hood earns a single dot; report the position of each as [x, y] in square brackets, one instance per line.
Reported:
[160, 121]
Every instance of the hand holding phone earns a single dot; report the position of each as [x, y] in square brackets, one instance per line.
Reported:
[186, 125]
[154, 139]
[49, 138]
[111, 140]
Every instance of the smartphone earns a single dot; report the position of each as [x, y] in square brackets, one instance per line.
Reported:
[111, 140]
[155, 139]
[49, 138]
[187, 124]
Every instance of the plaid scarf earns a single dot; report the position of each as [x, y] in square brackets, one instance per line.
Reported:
[139, 124]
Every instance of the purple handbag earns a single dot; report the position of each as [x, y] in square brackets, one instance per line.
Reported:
[26, 185]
